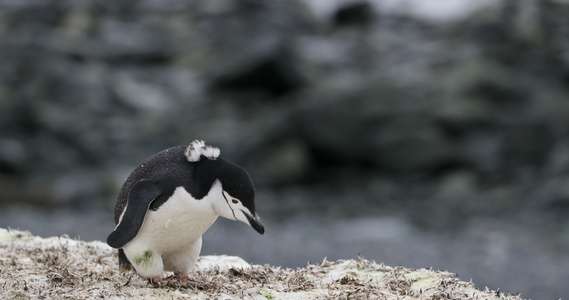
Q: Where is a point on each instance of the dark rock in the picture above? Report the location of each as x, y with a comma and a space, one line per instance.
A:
275, 73
356, 13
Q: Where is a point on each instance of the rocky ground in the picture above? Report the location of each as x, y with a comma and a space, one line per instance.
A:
62, 268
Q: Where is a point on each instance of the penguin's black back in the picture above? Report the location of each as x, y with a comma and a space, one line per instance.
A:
169, 169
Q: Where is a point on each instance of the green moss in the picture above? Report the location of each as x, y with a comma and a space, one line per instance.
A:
145, 259
267, 294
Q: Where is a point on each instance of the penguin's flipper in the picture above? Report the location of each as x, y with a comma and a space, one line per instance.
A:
140, 197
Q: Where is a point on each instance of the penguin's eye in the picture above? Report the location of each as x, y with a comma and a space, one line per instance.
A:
235, 201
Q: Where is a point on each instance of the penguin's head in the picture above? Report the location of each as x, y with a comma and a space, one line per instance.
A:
236, 198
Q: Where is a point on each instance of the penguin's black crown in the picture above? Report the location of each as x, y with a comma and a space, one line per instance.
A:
233, 178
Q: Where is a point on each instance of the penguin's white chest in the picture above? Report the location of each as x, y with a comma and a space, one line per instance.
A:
176, 225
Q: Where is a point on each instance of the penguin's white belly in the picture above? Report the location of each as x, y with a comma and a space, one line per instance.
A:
175, 229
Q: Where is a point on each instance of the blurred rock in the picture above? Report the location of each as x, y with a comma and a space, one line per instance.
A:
12, 156
25, 191
356, 13
269, 67
414, 109
284, 162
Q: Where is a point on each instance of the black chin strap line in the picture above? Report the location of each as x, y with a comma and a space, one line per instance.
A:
227, 201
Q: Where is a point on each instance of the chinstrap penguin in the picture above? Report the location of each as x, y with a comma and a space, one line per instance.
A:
170, 200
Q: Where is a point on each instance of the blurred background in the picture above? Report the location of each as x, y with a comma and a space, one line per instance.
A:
419, 133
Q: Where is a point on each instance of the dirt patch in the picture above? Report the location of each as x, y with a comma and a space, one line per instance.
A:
63, 268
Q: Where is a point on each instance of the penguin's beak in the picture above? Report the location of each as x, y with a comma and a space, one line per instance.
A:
255, 222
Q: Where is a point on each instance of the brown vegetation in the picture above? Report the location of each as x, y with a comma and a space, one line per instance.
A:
63, 268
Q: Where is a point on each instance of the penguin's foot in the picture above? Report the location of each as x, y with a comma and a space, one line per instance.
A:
155, 281
186, 282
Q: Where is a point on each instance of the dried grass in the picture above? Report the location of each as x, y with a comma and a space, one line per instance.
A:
63, 268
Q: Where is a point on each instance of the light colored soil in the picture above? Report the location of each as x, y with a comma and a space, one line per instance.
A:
63, 268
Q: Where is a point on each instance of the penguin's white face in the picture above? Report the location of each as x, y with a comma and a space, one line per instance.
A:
232, 208
236, 210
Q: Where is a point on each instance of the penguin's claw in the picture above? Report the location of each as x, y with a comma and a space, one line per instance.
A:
155, 281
